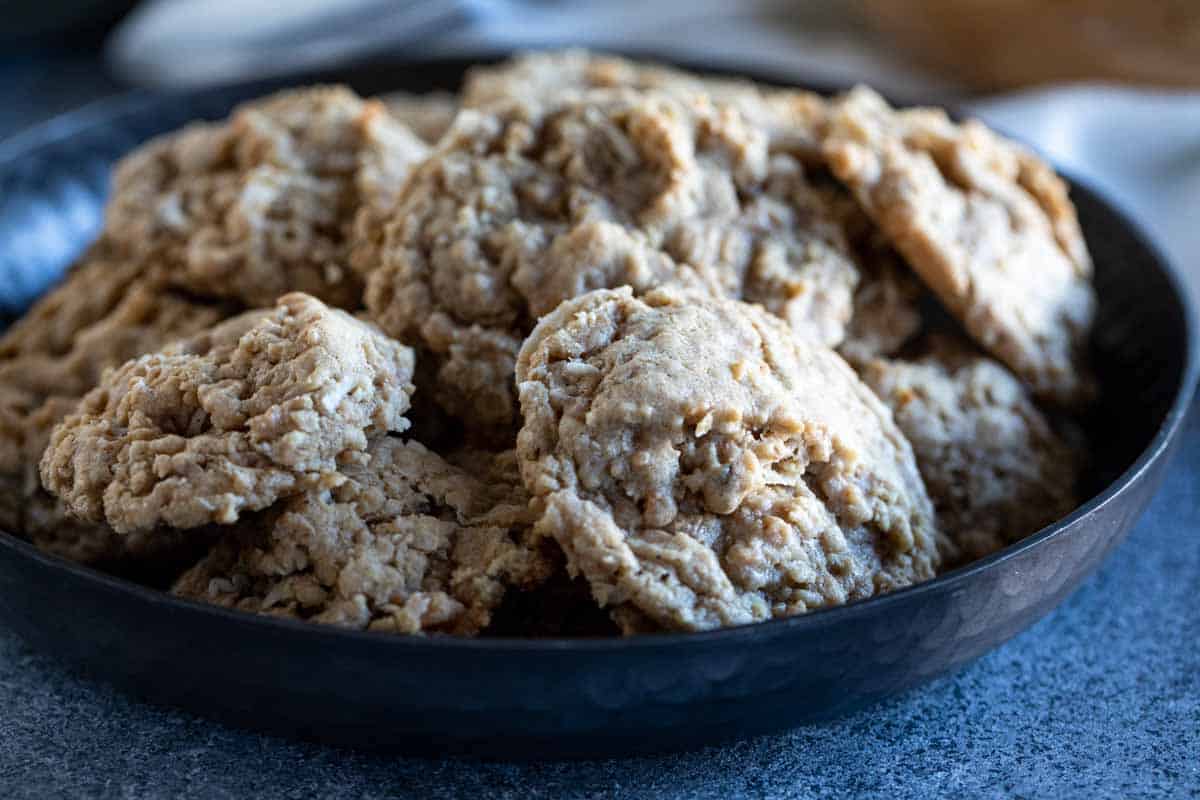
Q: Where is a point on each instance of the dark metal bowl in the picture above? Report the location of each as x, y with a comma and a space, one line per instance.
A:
551, 698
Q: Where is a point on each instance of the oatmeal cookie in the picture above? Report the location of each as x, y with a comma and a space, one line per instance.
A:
697, 461
98, 318
407, 543
28, 510
427, 115
90, 290
526, 205
539, 76
263, 406
793, 120
266, 202
994, 467
143, 320
985, 224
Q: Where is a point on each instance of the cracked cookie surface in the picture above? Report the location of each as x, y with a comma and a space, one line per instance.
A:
266, 202
699, 463
526, 205
986, 225
262, 406
100, 316
407, 543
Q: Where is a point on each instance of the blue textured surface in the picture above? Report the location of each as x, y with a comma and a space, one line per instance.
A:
1100, 699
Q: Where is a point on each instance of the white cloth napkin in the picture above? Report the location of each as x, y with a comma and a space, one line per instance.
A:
1141, 148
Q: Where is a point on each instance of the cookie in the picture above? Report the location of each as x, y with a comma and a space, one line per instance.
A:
994, 467
793, 120
407, 543
700, 463
100, 316
542, 75
260, 407
985, 224
144, 320
263, 203
40, 388
28, 510
526, 205
92, 287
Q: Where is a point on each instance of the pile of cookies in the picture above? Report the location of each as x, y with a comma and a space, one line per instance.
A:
593, 347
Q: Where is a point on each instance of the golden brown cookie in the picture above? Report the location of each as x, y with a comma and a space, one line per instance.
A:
265, 202
525, 205
263, 406
407, 543
89, 291
100, 316
985, 224
699, 462
792, 119
994, 467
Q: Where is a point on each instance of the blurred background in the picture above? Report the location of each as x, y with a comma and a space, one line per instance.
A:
1110, 89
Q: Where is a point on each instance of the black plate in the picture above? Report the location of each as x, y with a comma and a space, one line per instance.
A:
550, 698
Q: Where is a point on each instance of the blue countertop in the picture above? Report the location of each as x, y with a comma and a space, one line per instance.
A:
1100, 699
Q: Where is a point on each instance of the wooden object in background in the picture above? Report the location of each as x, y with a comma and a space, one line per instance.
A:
1001, 44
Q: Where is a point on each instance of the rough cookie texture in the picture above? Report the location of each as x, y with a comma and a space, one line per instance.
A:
987, 226
793, 120
427, 115
887, 303
263, 406
995, 469
544, 75
144, 320
526, 205
264, 203
89, 291
407, 543
700, 463
100, 316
